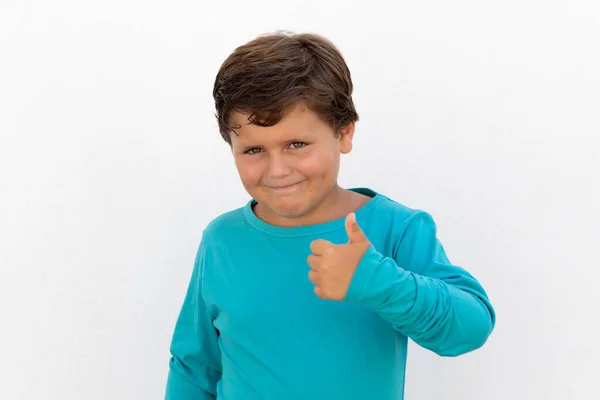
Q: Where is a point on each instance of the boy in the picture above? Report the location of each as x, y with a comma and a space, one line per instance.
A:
310, 291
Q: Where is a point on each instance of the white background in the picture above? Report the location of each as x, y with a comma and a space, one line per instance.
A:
485, 114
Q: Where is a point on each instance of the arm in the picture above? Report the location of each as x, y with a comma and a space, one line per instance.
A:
195, 363
438, 305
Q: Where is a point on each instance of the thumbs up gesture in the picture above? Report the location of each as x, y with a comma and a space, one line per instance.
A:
333, 265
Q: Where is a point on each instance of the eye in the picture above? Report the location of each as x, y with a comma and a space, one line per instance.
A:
254, 150
297, 145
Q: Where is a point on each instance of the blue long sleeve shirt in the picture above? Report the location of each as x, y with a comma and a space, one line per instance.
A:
251, 326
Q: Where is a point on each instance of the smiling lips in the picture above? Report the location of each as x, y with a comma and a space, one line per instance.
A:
285, 188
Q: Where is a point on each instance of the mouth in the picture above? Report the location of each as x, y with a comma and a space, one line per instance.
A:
285, 188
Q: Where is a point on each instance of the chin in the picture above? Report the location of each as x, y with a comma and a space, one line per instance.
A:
287, 205
291, 215
288, 209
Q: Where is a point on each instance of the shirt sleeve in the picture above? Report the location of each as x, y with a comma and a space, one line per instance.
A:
438, 305
195, 363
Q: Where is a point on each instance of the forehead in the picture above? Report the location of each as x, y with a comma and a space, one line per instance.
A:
299, 121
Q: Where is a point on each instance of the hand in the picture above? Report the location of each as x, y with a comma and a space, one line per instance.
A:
333, 265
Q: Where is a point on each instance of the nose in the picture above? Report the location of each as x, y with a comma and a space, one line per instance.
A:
278, 166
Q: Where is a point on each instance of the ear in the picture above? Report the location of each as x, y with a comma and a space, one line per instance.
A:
346, 135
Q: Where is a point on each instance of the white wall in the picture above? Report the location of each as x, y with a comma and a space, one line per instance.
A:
485, 114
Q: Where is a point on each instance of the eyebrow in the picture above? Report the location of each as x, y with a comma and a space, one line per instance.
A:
302, 138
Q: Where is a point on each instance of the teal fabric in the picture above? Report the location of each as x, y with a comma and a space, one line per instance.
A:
251, 326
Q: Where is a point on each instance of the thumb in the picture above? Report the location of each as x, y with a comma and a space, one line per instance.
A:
355, 234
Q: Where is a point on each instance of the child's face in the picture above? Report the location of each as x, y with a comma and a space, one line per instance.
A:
289, 168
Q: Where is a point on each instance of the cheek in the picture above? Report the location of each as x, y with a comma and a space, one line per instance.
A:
249, 172
320, 164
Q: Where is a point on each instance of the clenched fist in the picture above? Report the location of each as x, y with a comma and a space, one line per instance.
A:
333, 265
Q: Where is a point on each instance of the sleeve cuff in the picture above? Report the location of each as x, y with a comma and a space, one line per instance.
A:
363, 275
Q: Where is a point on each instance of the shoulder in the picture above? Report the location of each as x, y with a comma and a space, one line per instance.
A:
220, 230
396, 224
225, 224
401, 215
400, 231
216, 237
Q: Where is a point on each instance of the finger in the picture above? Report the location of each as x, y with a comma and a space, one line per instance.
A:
313, 276
355, 234
313, 261
321, 247
320, 292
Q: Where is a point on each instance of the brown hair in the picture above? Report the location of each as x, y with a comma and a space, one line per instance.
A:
273, 72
